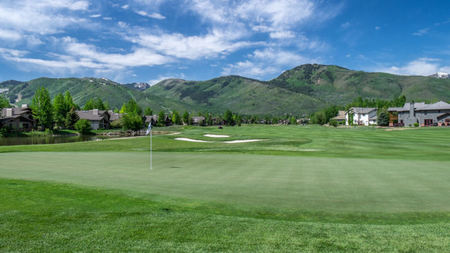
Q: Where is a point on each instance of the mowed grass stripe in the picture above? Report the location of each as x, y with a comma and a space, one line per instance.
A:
45, 217
250, 181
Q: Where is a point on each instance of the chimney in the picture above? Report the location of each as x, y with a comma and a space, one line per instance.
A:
95, 111
9, 112
411, 109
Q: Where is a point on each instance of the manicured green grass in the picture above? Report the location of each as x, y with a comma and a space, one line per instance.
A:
52, 217
301, 189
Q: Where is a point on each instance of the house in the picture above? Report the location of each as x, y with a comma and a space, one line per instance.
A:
198, 120
361, 116
19, 119
99, 119
437, 114
152, 118
114, 116
340, 118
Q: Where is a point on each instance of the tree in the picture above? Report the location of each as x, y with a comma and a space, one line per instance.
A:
293, 121
383, 117
83, 126
161, 118
148, 111
186, 118
71, 118
42, 108
89, 105
176, 118
4, 102
132, 121
59, 109
68, 102
131, 107
209, 119
98, 104
228, 118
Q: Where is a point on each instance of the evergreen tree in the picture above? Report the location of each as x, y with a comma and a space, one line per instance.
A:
42, 108
89, 105
59, 109
148, 111
71, 118
228, 118
68, 102
98, 104
383, 117
208, 119
161, 118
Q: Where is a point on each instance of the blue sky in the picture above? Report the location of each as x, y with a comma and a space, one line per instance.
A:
150, 40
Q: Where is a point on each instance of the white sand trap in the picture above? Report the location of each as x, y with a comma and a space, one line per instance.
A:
216, 136
191, 140
240, 141
309, 150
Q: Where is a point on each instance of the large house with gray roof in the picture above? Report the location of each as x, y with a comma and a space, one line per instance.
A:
361, 116
437, 114
19, 119
99, 119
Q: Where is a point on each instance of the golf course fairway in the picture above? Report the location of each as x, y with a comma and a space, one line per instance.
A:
298, 189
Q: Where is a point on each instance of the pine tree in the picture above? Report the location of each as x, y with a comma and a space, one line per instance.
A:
89, 105
71, 118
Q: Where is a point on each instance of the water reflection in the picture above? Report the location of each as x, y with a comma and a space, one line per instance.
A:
45, 140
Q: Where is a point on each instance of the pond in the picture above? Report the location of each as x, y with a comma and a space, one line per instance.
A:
46, 139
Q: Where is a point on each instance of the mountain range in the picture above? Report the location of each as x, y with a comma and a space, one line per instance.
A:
299, 91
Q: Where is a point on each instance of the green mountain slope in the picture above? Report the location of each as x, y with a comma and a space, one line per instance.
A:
301, 90
236, 93
338, 85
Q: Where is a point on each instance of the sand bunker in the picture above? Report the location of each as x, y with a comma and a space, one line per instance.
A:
240, 141
216, 136
191, 140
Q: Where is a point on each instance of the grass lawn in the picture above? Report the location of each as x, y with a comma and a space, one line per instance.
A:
301, 188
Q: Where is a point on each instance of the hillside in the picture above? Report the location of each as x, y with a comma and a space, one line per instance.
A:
301, 90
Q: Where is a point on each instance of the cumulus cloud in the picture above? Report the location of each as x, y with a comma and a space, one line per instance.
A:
191, 47
421, 67
39, 17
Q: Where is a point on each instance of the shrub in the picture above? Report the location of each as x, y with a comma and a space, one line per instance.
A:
83, 126
132, 121
416, 124
333, 123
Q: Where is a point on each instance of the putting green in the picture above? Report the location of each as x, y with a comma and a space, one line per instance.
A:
249, 181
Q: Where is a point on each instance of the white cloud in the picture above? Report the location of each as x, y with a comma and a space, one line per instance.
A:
191, 47
421, 32
151, 15
40, 17
377, 28
125, 6
346, 25
95, 15
282, 35
421, 67
9, 35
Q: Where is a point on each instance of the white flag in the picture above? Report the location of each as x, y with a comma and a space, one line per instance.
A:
149, 128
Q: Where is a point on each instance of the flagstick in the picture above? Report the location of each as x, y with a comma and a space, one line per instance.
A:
151, 165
